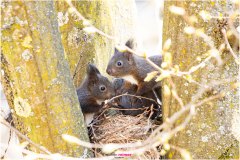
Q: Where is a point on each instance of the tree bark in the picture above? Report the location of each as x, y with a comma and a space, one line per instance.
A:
116, 18
208, 135
36, 77
38, 67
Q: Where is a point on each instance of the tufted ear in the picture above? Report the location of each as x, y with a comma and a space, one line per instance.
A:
130, 43
115, 51
92, 73
91, 69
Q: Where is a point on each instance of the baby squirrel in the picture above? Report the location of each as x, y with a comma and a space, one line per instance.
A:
94, 90
133, 68
133, 105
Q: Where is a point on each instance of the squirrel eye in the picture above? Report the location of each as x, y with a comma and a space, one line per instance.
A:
119, 63
102, 88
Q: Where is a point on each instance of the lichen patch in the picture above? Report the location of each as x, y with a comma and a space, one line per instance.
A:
26, 55
62, 18
27, 42
22, 107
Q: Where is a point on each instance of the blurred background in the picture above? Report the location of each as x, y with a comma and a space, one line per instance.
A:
149, 25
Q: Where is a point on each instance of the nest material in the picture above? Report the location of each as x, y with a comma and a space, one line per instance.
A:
117, 128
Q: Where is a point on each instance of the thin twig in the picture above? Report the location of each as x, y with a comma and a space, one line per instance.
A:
175, 94
229, 47
35, 155
3, 121
76, 68
130, 95
231, 24
73, 8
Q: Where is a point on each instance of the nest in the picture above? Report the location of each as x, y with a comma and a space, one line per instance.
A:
113, 127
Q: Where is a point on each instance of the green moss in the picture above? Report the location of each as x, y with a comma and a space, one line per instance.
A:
42, 80
211, 119
231, 152
78, 44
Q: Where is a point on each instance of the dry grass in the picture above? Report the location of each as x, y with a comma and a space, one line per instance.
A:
121, 129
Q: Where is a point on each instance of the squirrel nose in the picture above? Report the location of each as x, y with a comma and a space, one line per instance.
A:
109, 71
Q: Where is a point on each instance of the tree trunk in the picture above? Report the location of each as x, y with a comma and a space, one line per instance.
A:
37, 79
208, 135
116, 18
36, 76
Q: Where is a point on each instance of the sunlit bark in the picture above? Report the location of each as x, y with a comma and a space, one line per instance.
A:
36, 76
208, 135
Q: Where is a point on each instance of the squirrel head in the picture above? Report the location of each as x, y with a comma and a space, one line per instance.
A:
121, 62
98, 85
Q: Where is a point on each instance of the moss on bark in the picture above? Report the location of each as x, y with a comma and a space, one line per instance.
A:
208, 135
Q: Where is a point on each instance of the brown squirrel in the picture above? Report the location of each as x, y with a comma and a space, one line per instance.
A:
132, 105
92, 93
133, 68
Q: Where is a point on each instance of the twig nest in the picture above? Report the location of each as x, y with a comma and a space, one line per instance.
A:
113, 128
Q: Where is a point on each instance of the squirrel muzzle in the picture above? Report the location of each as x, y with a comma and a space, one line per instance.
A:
111, 71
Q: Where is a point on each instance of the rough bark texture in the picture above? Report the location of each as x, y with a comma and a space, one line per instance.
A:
209, 133
36, 76
37, 67
115, 18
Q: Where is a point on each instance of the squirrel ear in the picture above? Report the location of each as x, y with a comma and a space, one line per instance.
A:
115, 51
92, 70
130, 43
92, 73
